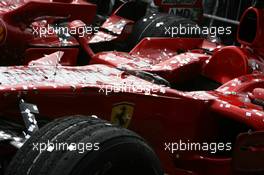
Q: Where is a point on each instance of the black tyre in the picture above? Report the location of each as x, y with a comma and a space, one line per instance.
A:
118, 152
155, 25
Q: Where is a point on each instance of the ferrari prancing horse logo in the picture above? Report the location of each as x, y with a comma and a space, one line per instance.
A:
122, 114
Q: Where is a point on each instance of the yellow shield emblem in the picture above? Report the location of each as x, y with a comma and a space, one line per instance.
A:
122, 114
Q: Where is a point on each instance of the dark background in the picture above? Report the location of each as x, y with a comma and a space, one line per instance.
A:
229, 9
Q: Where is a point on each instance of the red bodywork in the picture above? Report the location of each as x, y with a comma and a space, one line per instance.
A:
18, 18
160, 114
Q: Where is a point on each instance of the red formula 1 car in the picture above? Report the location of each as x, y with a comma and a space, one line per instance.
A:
30, 29
19, 18
198, 105
182, 60
191, 132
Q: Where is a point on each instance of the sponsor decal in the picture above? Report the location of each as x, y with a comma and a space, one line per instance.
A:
190, 13
179, 2
122, 114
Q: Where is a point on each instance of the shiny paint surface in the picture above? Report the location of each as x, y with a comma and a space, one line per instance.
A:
114, 28
175, 59
161, 114
18, 19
